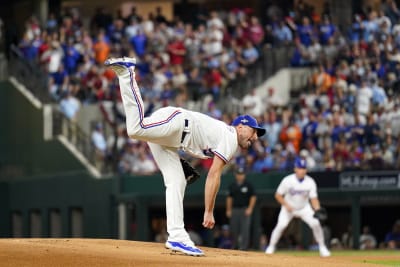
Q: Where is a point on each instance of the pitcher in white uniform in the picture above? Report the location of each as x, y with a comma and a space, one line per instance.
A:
170, 129
294, 193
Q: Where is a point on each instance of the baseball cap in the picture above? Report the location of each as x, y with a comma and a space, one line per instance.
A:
249, 121
300, 162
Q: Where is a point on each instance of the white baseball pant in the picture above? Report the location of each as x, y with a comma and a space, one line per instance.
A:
306, 214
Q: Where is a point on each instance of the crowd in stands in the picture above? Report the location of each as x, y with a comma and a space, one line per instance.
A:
346, 118
176, 60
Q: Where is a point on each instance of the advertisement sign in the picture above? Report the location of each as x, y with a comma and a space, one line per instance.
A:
369, 180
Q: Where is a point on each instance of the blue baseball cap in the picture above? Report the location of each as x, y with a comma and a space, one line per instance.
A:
300, 162
249, 121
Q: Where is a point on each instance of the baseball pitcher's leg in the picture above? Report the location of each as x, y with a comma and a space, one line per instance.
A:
169, 163
161, 127
131, 97
175, 183
283, 220
317, 231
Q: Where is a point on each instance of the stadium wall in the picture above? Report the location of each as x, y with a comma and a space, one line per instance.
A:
23, 151
348, 197
66, 194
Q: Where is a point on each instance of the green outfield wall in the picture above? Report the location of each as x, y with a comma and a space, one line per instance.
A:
64, 193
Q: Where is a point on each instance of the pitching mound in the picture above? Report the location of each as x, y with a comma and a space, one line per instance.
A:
104, 252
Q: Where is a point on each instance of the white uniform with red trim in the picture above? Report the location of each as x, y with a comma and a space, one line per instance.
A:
206, 137
297, 193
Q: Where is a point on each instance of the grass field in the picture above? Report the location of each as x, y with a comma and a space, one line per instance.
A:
379, 257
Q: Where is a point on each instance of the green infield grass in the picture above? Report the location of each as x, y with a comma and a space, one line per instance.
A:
379, 257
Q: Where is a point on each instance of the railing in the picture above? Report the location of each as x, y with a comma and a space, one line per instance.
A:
76, 136
35, 80
270, 61
29, 74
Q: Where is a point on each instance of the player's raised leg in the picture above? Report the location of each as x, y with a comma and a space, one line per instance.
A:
130, 92
168, 162
140, 127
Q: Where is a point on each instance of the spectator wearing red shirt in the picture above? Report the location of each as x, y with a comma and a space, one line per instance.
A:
256, 32
214, 82
341, 154
176, 50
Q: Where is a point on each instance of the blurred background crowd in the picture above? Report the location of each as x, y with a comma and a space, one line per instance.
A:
346, 118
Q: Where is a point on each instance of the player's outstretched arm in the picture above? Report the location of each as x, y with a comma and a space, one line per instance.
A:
210, 191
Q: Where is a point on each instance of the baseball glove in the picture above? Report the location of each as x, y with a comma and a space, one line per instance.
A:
191, 174
321, 214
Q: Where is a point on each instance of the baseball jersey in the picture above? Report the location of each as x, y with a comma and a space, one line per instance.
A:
297, 193
210, 137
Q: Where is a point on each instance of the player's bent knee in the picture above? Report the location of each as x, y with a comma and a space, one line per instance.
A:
134, 132
178, 183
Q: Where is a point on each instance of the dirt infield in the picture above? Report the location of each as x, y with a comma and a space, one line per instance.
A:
105, 252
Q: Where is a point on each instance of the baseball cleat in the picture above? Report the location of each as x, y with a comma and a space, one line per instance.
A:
186, 249
119, 65
324, 252
270, 250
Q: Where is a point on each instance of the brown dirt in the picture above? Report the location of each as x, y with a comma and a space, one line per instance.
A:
105, 252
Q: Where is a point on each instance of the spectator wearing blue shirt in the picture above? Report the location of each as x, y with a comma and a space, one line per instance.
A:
139, 43
282, 33
249, 53
380, 69
58, 82
305, 32
379, 97
71, 57
309, 130
98, 139
337, 131
273, 128
264, 162
299, 57
371, 132
370, 27
392, 238
69, 106
356, 29
27, 49
225, 241
357, 130
327, 30
116, 31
